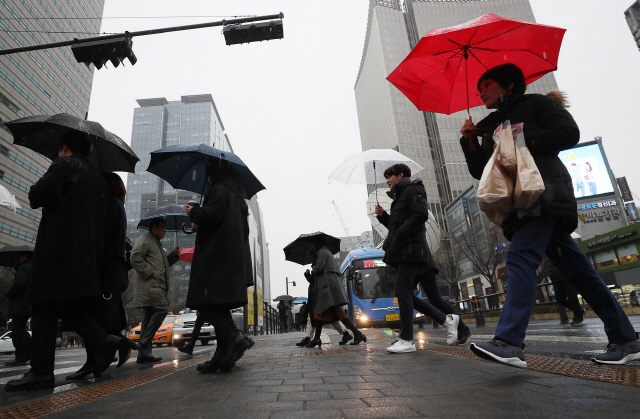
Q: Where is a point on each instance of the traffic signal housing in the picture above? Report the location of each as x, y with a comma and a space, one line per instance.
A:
253, 32
101, 51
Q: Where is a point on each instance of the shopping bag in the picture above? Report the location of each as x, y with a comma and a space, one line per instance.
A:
495, 190
529, 184
504, 139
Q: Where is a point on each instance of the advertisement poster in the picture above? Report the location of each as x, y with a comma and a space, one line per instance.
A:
588, 171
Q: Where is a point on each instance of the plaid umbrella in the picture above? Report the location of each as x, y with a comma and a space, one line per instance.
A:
299, 250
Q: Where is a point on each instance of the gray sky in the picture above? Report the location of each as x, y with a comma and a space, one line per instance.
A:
289, 107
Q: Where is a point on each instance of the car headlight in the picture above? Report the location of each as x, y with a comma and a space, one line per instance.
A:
164, 329
178, 325
176, 336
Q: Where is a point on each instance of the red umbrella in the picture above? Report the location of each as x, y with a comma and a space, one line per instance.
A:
186, 255
435, 75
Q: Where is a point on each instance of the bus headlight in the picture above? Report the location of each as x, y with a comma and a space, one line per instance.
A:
359, 314
419, 315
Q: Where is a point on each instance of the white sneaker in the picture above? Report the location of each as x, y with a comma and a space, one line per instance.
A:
451, 326
402, 346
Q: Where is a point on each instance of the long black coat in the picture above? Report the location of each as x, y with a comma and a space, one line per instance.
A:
219, 271
548, 129
17, 294
67, 259
407, 239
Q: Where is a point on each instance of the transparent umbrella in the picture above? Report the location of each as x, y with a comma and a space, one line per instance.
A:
434, 232
7, 199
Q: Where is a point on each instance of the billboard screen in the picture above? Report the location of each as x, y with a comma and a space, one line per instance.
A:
588, 171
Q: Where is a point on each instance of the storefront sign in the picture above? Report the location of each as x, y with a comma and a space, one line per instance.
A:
596, 205
632, 212
610, 239
600, 216
625, 192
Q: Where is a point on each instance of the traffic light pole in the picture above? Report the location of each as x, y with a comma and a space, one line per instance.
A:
140, 33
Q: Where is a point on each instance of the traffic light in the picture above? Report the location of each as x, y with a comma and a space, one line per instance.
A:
101, 51
252, 32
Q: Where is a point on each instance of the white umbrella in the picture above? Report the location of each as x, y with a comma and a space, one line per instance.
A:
368, 166
7, 199
433, 229
296, 308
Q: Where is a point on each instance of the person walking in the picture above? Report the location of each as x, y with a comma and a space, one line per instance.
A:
109, 310
329, 294
221, 269
20, 311
282, 310
545, 228
151, 284
565, 293
407, 251
67, 261
195, 334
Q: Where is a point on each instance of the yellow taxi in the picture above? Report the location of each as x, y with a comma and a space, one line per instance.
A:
163, 335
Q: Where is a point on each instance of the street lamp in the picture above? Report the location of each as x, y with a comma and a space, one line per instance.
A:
290, 282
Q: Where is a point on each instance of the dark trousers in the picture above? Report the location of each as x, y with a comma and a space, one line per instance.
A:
221, 320
406, 281
21, 337
283, 324
567, 296
530, 243
44, 326
429, 286
153, 317
196, 330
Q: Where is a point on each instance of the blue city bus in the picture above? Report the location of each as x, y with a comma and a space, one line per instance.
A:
369, 283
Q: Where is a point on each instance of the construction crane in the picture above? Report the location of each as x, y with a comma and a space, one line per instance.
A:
344, 226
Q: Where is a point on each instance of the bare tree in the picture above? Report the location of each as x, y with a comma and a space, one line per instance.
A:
449, 265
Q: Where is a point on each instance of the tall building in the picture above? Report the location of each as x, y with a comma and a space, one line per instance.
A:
632, 16
192, 120
388, 119
38, 82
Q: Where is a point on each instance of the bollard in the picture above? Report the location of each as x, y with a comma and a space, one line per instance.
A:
478, 313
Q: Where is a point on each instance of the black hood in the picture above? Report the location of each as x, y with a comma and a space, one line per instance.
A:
402, 185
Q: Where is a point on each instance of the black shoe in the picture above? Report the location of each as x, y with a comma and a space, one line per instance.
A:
498, 350
346, 337
213, 364
464, 336
235, 351
186, 349
578, 319
106, 351
303, 342
358, 339
314, 343
16, 363
565, 322
143, 359
249, 340
619, 353
86, 369
31, 381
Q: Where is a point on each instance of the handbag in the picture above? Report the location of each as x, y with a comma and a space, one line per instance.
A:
503, 136
529, 184
495, 190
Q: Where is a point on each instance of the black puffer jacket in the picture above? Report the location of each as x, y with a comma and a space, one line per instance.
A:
407, 240
548, 129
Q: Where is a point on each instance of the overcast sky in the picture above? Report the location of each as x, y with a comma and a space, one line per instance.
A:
288, 106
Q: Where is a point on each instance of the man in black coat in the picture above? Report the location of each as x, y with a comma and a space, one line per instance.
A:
282, 309
20, 311
406, 250
67, 261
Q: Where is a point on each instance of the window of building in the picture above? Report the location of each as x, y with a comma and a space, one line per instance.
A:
605, 258
627, 253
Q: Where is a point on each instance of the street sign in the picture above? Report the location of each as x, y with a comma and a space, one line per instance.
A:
452, 297
625, 192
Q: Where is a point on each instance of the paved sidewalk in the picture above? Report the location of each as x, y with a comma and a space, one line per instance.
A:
276, 379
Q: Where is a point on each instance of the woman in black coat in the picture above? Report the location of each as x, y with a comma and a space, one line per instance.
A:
545, 228
221, 267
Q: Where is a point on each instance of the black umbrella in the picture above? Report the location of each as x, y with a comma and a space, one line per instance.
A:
175, 216
42, 133
9, 255
299, 250
283, 298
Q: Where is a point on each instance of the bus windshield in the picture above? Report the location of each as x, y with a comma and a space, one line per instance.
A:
374, 279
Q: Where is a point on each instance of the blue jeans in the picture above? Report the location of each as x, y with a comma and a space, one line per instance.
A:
593, 188
530, 243
580, 187
406, 281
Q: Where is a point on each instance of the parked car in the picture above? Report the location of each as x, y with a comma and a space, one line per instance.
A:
183, 327
238, 317
162, 336
6, 344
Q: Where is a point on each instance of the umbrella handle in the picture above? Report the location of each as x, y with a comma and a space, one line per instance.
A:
466, 76
375, 180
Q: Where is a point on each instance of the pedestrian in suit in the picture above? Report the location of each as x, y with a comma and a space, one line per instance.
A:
20, 311
67, 261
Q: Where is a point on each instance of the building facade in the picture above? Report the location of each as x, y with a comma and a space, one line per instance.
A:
192, 120
632, 16
45, 82
388, 119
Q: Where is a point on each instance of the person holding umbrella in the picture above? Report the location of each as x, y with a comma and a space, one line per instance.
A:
20, 310
221, 267
545, 228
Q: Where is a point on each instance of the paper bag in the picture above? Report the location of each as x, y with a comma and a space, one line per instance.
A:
503, 137
529, 184
495, 190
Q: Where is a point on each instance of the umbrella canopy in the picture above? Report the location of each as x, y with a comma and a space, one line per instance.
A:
299, 250
42, 133
9, 255
434, 232
185, 167
175, 216
296, 309
283, 298
300, 300
186, 255
368, 166
441, 72
7, 199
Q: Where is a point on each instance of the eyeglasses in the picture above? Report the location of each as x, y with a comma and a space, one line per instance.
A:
482, 89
